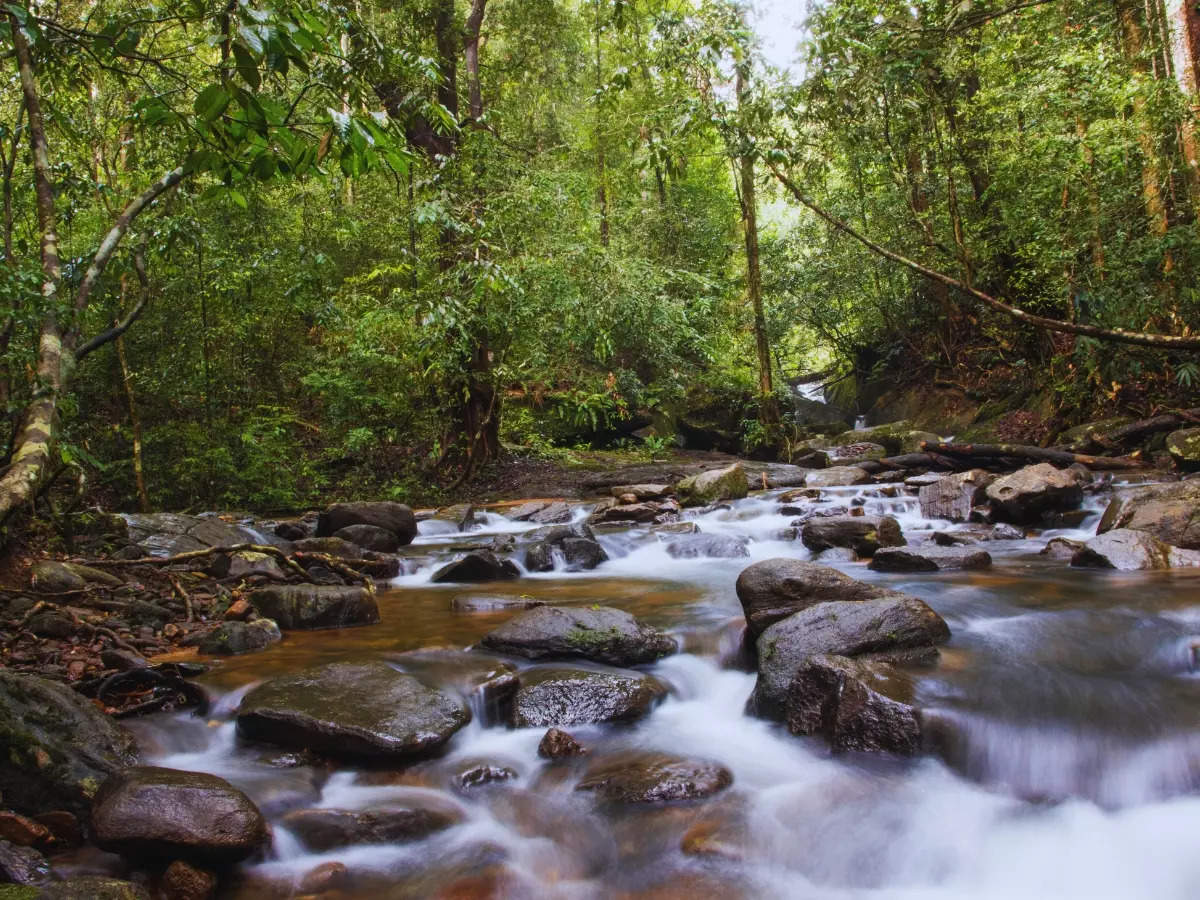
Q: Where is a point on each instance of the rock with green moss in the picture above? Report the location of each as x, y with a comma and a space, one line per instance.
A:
596, 633
1184, 447
1082, 437
233, 638
52, 576
56, 746
714, 485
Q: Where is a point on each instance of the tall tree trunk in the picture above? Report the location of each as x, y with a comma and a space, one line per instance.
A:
1183, 25
601, 174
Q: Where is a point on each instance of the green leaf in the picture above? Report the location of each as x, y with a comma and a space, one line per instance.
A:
211, 102
239, 198
247, 66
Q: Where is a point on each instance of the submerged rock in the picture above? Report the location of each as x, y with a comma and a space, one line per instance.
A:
1129, 550
654, 778
563, 697
862, 534
599, 633
714, 485
557, 744
320, 830
57, 747
385, 514
356, 710
842, 628
477, 567
1027, 494
929, 559
854, 705
717, 546
954, 496
774, 589
152, 813
306, 606
837, 476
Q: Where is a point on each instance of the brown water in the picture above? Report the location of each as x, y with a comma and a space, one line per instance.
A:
1066, 703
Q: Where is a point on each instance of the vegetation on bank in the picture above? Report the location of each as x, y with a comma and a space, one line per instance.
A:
309, 250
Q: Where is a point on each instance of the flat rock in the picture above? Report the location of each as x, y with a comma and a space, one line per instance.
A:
837, 476
356, 710
716, 546
643, 491
650, 511
842, 628
166, 534
542, 512
486, 603
386, 514
57, 746
929, 559
714, 485
148, 813
600, 634
654, 778
556, 696
477, 567
321, 830
1027, 494
1129, 550
307, 606
854, 705
862, 534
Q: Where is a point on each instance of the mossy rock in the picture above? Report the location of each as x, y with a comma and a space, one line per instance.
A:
1080, 437
1184, 447
714, 485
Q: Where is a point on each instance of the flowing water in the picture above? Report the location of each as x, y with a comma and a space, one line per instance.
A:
1066, 703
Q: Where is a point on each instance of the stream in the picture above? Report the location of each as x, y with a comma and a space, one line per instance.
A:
1066, 700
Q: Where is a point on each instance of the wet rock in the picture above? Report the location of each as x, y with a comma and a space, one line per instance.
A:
774, 589
1170, 512
564, 697
836, 554
651, 511
482, 603
1003, 532
542, 512
1025, 495
386, 514
929, 559
837, 476
576, 543
330, 546
796, 496
643, 492
862, 534
854, 705
370, 537
1061, 548
851, 453
842, 628
479, 775
56, 745
308, 606
166, 534
148, 812
712, 486
654, 778
92, 887
323, 709
715, 838
22, 865
489, 683
476, 567
600, 634
329, 829
462, 515
1184, 447
328, 876
183, 881
233, 638
1129, 550
292, 531
558, 744
21, 830
954, 496
63, 826
716, 546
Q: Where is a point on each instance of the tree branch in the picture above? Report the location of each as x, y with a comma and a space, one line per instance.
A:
105, 337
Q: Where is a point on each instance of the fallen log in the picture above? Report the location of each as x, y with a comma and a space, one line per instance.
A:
1035, 454
1135, 431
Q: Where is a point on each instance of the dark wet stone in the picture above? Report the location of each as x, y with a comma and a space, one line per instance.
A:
542, 512
843, 628
307, 606
1025, 495
654, 778
329, 829
929, 559
489, 683
153, 813
93, 887
394, 517
862, 534
564, 697
558, 744
479, 775
347, 709
22, 865
601, 634
22, 830
56, 746
371, 537
233, 638
292, 531
476, 567
183, 881
330, 546
576, 543
711, 545
854, 705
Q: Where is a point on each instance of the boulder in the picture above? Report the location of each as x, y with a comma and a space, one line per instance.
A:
476, 567
854, 705
717, 546
1129, 550
150, 813
862, 534
486, 682
308, 606
954, 496
600, 634
929, 559
557, 744
1170, 512
837, 476
1184, 447
246, 564
53, 577
166, 534
774, 589
576, 543
23, 866
386, 514
642, 492
57, 746
892, 435
352, 709
233, 638
541, 512
656, 511
331, 546
556, 696
370, 537
843, 628
321, 830
654, 778
1025, 495
714, 485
